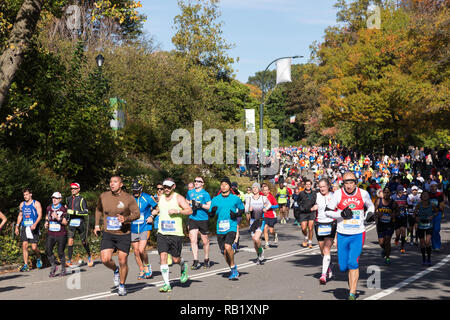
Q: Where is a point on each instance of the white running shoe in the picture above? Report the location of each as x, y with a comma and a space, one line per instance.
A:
116, 277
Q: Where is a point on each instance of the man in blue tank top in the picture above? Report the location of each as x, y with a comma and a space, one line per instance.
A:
30, 214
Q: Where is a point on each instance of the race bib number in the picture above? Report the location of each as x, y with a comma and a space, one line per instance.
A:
140, 220
28, 222
168, 226
54, 226
324, 230
75, 222
113, 224
386, 218
424, 224
224, 226
353, 223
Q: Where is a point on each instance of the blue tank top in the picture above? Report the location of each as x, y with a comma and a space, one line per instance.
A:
29, 214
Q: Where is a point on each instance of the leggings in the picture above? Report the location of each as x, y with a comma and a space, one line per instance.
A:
51, 241
349, 249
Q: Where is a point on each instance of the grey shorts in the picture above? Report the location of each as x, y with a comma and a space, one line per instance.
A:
144, 235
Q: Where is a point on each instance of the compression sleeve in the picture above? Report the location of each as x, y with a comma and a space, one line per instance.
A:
332, 205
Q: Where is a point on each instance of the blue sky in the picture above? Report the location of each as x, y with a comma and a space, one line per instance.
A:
262, 30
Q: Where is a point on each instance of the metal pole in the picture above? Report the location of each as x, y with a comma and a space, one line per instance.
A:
261, 115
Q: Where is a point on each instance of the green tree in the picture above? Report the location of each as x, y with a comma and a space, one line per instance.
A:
199, 36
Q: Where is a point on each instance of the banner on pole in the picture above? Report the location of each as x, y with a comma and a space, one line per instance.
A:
118, 121
284, 70
250, 120
292, 119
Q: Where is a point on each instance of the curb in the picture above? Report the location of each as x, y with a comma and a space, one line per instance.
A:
10, 267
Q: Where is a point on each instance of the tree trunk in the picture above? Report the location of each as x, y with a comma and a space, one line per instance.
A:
18, 42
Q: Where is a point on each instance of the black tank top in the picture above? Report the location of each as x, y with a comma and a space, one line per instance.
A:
385, 212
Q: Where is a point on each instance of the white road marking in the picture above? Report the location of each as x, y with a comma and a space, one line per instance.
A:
408, 281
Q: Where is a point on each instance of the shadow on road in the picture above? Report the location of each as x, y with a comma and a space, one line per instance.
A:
10, 288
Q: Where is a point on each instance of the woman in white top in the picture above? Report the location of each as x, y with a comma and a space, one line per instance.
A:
255, 207
325, 229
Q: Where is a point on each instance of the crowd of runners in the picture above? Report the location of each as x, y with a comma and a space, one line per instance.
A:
333, 193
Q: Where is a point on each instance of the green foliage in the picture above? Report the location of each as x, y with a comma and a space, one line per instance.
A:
199, 36
10, 250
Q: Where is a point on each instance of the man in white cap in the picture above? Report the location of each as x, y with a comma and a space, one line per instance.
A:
171, 207
412, 200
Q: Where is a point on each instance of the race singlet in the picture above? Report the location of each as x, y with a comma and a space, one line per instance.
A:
169, 224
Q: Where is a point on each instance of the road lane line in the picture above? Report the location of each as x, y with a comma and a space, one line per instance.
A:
408, 281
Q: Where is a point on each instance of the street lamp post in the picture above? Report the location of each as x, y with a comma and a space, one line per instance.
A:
261, 113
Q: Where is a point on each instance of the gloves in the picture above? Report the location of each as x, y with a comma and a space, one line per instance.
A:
347, 213
370, 216
196, 205
213, 212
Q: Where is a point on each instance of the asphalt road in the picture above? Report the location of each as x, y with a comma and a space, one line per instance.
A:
290, 272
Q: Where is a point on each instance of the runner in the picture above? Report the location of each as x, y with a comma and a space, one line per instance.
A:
386, 212
255, 207
295, 206
227, 207
118, 210
401, 221
4, 220
141, 228
325, 229
281, 196
241, 195
308, 208
270, 218
56, 220
30, 214
437, 198
171, 208
413, 200
424, 213
78, 222
350, 203
200, 201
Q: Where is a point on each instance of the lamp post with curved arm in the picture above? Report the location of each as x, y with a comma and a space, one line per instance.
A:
261, 113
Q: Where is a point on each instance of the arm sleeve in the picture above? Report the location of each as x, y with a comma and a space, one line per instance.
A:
332, 205
84, 209
367, 202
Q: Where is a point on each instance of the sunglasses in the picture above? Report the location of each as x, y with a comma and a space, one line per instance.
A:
199, 181
74, 188
159, 188
167, 187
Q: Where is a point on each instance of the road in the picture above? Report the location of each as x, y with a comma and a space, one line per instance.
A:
290, 272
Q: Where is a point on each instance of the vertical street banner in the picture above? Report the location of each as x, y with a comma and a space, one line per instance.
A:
292, 119
118, 108
284, 70
250, 120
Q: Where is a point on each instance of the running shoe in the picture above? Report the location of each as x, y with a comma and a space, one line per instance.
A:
90, 261
402, 251
141, 275
165, 288
276, 238
310, 244
148, 273
351, 296
267, 246
53, 272
68, 264
184, 276
387, 261
38, 263
206, 264
304, 244
234, 274
323, 279
424, 263
116, 277
25, 268
196, 265
122, 291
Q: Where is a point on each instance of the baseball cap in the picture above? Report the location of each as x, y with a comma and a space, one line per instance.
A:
415, 188
400, 189
168, 183
56, 195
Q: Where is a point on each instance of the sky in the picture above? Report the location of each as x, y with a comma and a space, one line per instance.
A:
261, 30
